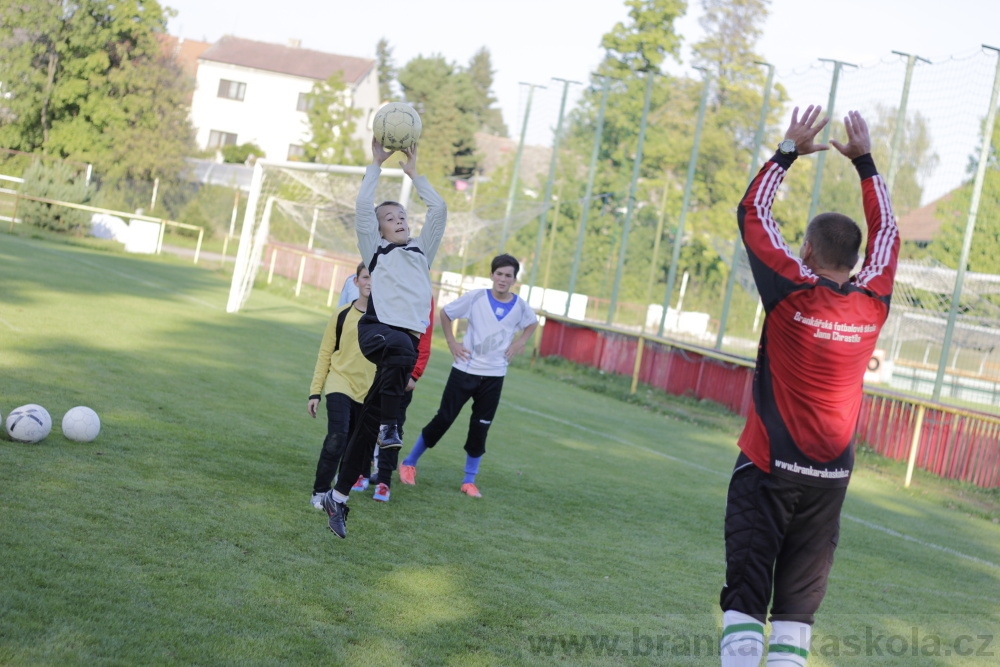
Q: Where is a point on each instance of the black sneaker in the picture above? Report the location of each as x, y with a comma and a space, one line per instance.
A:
389, 437
338, 515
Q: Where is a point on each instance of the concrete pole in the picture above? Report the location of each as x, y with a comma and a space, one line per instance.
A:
517, 166
821, 157
897, 135
547, 197
689, 184
581, 231
630, 206
758, 140
970, 227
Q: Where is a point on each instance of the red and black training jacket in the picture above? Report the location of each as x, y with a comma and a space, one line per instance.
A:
818, 336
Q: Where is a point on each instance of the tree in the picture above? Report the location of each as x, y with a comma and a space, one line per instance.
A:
489, 117
635, 50
331, 122
88, 80
240, 153
444, 96
386, 70
644, 43
732, 28
916, 160
984, 255
60, 182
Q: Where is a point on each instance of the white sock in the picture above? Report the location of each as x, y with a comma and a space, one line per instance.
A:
789, 643
339, 497
742, 640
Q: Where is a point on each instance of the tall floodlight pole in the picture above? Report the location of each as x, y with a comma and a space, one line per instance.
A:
970, 226
656, 245
630, 206
582, 229
897, 135
547, 198
517, 166
692, 163
758, 139
821, 158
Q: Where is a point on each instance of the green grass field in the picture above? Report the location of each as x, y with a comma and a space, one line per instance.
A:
183, 534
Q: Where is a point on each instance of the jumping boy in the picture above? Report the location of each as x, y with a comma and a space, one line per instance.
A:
385, 462
343, 375
398, 313
499, 325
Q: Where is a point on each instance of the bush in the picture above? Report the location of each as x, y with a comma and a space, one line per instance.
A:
212, 208
60, 182
241, 153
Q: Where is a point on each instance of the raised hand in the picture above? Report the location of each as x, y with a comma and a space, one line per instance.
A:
803, 132
410, 166
379, 153
858, 140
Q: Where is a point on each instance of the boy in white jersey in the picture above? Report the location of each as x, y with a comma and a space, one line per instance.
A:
398, 314
499, 327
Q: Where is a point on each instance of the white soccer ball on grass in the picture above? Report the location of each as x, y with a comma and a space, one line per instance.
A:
81, 424
396, 126
28, 423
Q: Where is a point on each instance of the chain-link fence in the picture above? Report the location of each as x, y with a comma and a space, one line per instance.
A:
927, 120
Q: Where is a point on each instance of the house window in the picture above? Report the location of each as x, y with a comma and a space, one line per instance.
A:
296, 152
233, 90
304, 103
217, 138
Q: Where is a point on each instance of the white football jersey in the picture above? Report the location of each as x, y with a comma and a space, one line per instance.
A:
486, 337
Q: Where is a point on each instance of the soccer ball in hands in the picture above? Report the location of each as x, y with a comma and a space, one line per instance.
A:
396, 126
81, 424
28, 423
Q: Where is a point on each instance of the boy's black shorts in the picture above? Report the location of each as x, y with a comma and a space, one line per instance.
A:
780, 534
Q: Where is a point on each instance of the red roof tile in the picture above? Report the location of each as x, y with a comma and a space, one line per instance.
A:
286, 59
922, 224
185, 51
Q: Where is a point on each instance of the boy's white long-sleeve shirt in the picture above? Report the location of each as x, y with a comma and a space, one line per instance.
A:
401, 282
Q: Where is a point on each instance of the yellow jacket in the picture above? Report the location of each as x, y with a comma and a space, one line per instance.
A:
344, 371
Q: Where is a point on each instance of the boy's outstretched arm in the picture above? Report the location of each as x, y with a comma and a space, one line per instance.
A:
365, 222
437, 212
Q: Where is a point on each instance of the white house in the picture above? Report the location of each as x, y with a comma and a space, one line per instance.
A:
255, 92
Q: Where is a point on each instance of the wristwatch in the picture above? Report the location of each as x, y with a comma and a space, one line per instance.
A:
787, 147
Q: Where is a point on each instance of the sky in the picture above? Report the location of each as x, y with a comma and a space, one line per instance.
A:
532, 41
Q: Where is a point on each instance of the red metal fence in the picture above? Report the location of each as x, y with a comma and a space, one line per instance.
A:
949, 442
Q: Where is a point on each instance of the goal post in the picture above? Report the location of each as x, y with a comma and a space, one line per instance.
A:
303, 196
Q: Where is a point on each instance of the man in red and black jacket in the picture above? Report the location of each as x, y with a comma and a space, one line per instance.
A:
786, 492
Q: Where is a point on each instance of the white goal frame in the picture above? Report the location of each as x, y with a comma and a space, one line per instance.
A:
254, 234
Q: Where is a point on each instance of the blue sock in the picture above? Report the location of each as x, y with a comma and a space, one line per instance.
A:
471, 468
418, 449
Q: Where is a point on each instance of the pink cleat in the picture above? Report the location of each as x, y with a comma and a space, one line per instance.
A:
408, 474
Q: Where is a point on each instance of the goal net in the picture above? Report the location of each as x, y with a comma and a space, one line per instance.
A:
305, 214
920, 304
306, 205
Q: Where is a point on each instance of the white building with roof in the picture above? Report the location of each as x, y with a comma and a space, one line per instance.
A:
255, 92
